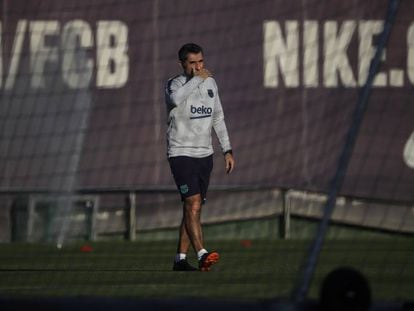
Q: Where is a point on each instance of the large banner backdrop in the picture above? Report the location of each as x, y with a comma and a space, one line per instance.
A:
82, 92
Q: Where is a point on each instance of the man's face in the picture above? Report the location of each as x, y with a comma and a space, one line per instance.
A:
193, 63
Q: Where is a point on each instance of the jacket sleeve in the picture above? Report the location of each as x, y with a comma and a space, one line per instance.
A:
177, 93
219, 124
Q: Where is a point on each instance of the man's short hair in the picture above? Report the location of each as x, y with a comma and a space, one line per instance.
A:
188, 48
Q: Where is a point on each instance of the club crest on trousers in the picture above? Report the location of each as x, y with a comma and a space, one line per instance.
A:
184, 189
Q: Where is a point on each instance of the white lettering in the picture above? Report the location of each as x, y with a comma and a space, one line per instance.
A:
335, 57
408, 153
396, 77
280, 53
41, 53
311, 54
67, 53
112, 57
410, 54
16, 54
77, 68
367, 31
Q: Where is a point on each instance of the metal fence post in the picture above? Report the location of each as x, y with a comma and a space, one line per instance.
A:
285, 217
30, 219
92, 206
132, 223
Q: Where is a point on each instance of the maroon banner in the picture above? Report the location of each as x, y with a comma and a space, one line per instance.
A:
83, 92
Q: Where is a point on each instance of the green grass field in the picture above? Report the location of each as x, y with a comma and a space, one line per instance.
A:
264, 269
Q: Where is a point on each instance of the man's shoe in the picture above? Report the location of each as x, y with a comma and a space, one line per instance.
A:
183, 265
207, 260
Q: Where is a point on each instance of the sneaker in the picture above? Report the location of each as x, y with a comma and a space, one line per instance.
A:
183, 265
207, 260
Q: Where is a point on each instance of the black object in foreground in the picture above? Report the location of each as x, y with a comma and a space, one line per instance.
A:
345, 289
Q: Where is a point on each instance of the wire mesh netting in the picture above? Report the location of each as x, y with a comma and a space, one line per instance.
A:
83, 148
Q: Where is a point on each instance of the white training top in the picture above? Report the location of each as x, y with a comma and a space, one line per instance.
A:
194, 108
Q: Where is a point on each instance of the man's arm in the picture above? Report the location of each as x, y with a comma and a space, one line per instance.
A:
178, 92
221, 131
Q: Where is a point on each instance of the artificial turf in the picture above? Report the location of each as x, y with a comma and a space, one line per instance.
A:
247, 270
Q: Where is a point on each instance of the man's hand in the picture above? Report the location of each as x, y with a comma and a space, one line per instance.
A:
203, 73
229, 160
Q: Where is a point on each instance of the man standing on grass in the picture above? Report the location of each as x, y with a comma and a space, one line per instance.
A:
194, 108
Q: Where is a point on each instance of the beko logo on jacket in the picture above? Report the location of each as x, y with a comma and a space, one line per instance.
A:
200, 112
